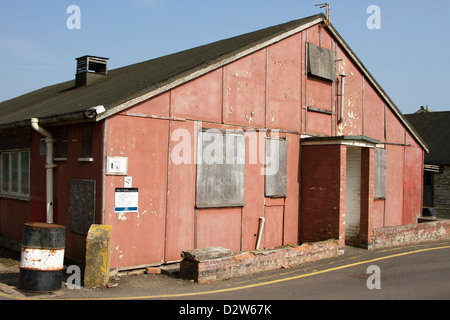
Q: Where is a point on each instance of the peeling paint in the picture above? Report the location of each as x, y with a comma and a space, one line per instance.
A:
351, 115
341, 127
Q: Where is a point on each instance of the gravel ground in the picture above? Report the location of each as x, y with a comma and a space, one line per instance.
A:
9, 258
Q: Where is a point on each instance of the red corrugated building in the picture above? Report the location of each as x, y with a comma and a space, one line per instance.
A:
172, 152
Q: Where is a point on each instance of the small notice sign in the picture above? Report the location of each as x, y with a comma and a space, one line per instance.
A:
126, 200
117, 166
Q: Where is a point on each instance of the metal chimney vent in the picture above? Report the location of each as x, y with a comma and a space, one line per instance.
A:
90, 70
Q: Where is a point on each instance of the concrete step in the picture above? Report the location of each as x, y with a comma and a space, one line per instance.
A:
171, 270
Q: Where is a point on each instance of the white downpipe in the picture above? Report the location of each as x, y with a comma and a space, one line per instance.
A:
261, 227
49, 166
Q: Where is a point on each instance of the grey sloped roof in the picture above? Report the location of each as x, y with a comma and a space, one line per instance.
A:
126, 83
434, 128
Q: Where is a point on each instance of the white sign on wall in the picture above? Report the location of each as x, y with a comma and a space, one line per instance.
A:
117, 166
126, 200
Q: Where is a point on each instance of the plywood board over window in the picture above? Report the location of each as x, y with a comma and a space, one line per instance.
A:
275, 170
220, 168
379, 179
321, 62
81, 205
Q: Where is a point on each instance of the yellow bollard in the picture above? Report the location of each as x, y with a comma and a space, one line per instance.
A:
98, 243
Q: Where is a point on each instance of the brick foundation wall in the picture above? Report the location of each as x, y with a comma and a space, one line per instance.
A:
410, 234
210, 268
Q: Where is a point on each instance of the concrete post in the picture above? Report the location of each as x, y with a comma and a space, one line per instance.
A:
98, 245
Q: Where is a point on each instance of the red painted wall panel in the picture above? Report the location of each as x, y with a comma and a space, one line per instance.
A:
14, 213
313, 35
291, 229
199, 99
318, 123
352, 124
157, 106
219, 227
181, 190
244, 90
412, 189
395, 132
254, 188
373, 114
273, 231
319, 94
326, 39
378, 213
284, 84
138, 237
394, 185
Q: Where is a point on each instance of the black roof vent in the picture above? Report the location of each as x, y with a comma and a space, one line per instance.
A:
90, 70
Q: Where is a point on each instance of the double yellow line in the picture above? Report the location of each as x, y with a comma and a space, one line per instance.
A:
249, 286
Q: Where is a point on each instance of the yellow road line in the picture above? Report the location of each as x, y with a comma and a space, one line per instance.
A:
249, 286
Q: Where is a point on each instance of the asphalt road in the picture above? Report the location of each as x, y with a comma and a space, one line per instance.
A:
418, 272
423, 275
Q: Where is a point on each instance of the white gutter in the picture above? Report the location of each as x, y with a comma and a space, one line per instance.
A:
49, 166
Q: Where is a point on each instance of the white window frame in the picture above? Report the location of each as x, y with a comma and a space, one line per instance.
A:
6, 191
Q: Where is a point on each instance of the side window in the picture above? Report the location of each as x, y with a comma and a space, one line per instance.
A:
15, 173
220, 168
5, 172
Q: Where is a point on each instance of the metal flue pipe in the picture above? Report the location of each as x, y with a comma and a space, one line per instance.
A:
341, 112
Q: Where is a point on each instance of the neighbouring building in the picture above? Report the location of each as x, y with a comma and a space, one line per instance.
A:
434, 128
172, 152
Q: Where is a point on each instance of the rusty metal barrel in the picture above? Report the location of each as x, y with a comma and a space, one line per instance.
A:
42, 257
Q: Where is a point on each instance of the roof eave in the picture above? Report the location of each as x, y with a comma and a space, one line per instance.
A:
73, 117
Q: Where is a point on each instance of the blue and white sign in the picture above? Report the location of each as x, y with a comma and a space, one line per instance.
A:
126, 200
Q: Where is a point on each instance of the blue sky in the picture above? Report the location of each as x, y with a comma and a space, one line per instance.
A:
408, 56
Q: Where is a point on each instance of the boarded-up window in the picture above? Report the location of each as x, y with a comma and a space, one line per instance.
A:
321, 62
61, 143
86, 144
275, 170
81, 205
220, 168
379, 179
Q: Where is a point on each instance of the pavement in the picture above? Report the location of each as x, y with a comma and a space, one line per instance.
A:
138, 285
